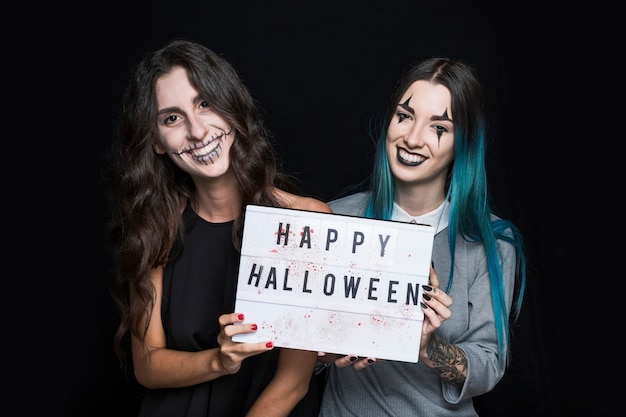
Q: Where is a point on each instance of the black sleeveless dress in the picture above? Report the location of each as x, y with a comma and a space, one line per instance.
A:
199, 284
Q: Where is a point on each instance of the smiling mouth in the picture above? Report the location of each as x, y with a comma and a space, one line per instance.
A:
410, 159
206, 151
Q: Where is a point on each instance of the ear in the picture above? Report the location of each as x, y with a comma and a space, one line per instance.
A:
158, 148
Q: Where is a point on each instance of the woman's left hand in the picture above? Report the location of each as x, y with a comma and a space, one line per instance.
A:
341, 361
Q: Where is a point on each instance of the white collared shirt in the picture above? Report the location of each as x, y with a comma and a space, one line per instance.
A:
438, 218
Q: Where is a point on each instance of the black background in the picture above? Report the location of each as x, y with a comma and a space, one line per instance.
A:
322, 71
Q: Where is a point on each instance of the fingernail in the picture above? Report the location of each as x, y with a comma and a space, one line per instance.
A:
240, 317
353, 358
427, 287
269, 345
423, 305
426, 297
253, 326
370, 361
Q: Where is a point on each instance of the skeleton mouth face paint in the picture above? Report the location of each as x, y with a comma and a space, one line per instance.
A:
208, 150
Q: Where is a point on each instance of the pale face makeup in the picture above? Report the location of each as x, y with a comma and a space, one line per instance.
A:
420, 137
195, 137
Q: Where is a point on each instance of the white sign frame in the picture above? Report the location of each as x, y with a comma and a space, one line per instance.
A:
289, 261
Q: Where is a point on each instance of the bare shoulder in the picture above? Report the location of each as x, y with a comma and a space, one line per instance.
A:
312, 204
299, 202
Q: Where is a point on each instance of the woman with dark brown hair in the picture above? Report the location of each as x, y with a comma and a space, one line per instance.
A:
192, 153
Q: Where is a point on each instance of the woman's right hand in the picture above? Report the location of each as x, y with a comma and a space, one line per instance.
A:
231, 354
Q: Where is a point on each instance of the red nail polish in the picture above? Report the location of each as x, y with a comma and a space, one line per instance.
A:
253, 326
240, 317
269, 345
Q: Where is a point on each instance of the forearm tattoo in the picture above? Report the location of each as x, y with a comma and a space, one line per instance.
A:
449, 361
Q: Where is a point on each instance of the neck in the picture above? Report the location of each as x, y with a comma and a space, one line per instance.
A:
218, 199
417, 201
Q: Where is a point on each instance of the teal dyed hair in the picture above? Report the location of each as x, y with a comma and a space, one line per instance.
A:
466, 187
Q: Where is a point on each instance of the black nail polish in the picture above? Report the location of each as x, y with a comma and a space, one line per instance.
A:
423, 305
427, 287
353, 358
370, 361
426, 297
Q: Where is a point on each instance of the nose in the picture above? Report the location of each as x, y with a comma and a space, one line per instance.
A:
415, 137
197, 127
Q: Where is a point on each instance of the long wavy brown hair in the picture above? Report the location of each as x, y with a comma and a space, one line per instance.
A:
148, 191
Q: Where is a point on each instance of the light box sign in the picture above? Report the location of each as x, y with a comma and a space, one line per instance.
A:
333, 283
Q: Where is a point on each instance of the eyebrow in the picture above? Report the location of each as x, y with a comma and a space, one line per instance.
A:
168, 110
406, 106
177, 109
443, 117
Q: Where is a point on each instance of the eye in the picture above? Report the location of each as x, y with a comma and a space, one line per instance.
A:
172, 118
204, 104
441, 129
402, 116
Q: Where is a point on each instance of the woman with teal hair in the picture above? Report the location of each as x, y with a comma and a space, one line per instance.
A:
429, 168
